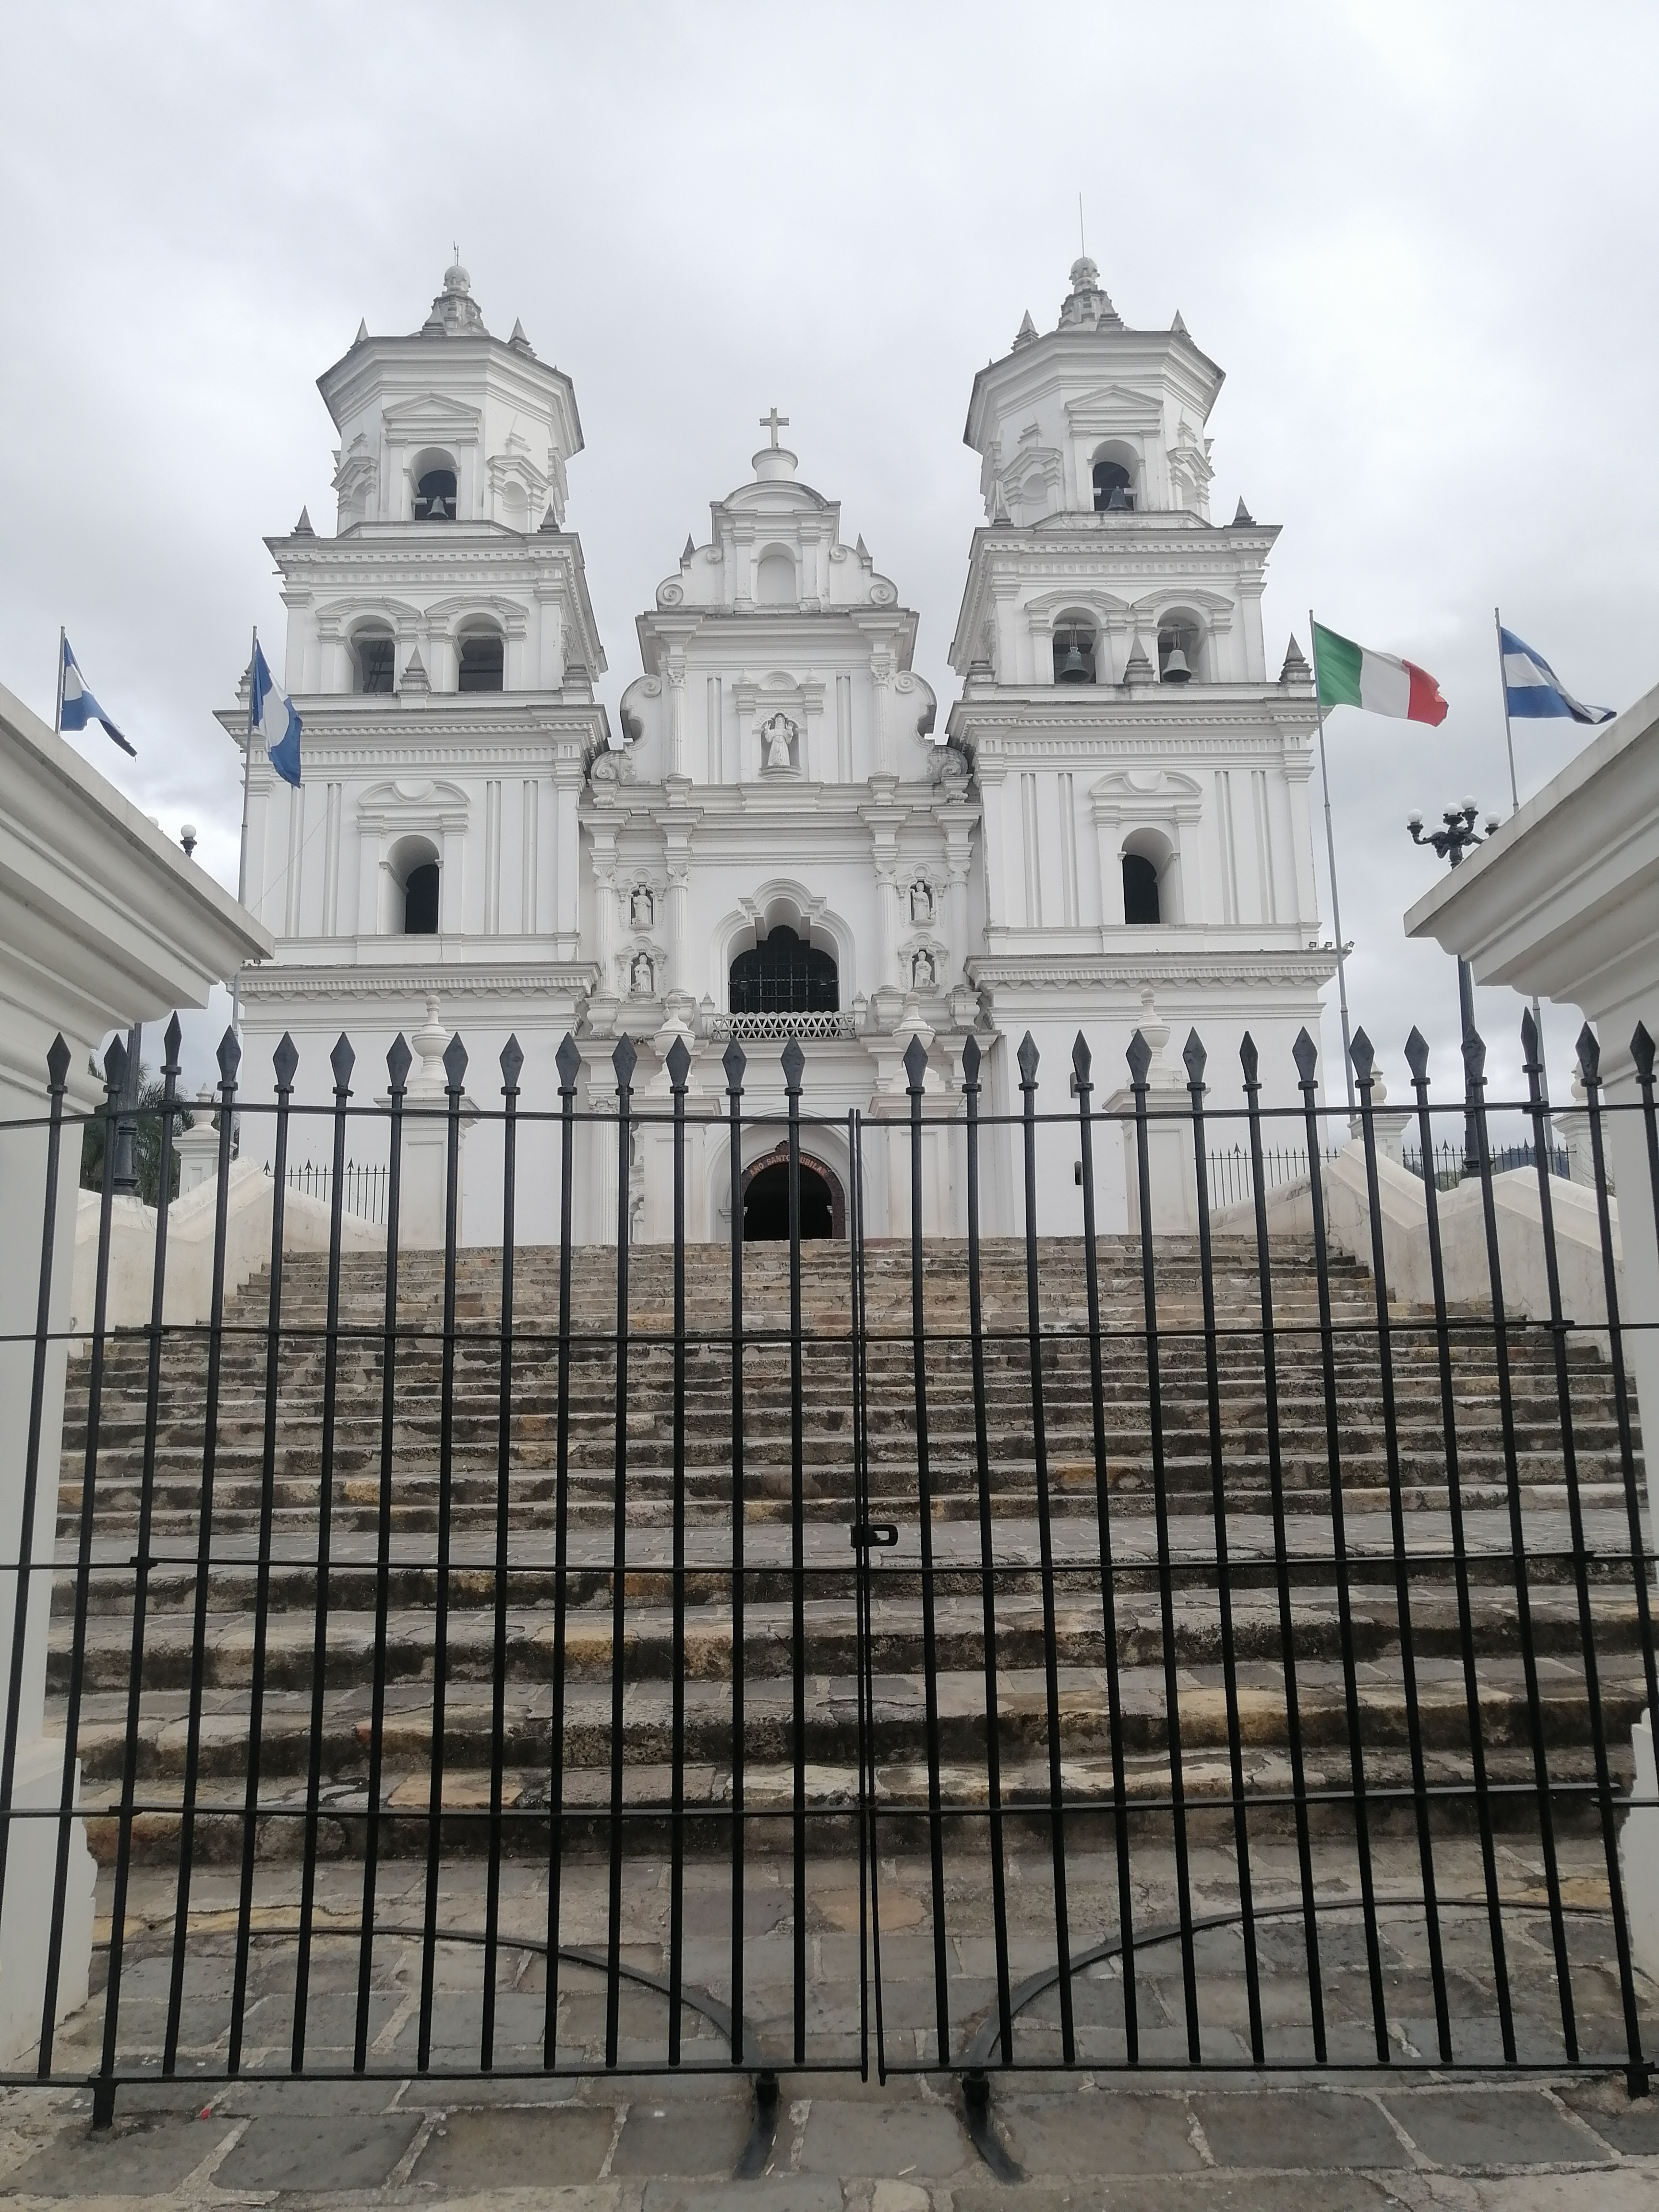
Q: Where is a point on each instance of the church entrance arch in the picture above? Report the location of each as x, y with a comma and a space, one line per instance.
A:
765, 1191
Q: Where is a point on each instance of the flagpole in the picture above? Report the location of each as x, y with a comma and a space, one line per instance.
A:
58, 708
1514, 808
1330, 854
241, 865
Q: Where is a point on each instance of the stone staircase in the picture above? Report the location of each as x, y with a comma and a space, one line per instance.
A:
698, 1651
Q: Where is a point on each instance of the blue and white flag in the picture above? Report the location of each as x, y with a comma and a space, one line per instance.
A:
1532, 687
80, 707
271, 711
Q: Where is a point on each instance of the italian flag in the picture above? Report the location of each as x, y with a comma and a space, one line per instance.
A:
1352, 675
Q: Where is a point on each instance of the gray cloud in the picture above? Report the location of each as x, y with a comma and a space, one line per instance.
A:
1419, 240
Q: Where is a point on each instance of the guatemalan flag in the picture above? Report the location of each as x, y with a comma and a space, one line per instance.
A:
1531, 686
271, 711
80, 707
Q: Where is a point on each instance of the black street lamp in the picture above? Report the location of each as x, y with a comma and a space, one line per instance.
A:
1451, 842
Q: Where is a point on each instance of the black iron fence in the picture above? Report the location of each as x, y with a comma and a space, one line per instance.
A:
802, 1639
1450, 1165
364, 1184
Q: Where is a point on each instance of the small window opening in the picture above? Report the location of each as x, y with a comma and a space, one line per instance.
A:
1140, 905
481, 662
1112, 490
1074, 654
374, 655
421, 901
766, 1205
784, 975
435, 496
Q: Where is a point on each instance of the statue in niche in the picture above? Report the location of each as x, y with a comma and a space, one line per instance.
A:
924, 973
642, 908
779, 734
643, 975
921, 903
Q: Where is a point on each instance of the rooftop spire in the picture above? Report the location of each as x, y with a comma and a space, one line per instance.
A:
1087, 307
455, 312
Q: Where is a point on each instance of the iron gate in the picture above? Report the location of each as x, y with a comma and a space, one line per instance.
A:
1230, 1664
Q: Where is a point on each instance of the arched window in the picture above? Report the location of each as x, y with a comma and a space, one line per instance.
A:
1140, 896
1074, 650
482, 661
421, 900
1180, 647
1113, 488
784, 975
435, 496
373, 651
774, 579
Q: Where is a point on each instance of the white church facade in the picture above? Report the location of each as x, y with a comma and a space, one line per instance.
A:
1111, 832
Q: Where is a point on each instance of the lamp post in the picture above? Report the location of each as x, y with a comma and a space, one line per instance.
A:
1451, 842
125, 1177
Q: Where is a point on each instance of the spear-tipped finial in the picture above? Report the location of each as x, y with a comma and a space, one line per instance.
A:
625, 1060
1082, 1061
285, 1060
915, 1066
1028, 1056
794, 1067
1305, 1053
342, 1060
173, 1040
1139, 1057
230, 1058
970, 1057
115, 1067
398, 1061
1474, 1056
1250, 1060
1363, 1053
1528, 1042
57, 1062
1590, 1056
1195, 1057
1641, 1051
734, 1060
569, 1062
679, 1064
1417, 1055
512, 1065
455, 1063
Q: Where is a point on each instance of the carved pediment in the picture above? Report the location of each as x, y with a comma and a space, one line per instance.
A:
432, 415
1114, 407
1147, 794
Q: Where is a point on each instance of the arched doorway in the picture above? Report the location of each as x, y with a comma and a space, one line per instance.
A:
766, 1198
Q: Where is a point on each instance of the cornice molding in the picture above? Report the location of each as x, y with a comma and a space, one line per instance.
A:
1132, 970
445, 983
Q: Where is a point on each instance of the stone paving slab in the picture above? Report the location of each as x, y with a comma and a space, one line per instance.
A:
1350, 2147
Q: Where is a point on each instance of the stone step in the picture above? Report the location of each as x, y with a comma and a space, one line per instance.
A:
828, 1626
899, 1719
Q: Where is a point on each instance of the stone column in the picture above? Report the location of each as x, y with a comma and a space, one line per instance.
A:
1172, 1178
198, 1147
423, 1196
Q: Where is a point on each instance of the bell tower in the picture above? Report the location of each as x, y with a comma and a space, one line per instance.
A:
426, 875
1144, 780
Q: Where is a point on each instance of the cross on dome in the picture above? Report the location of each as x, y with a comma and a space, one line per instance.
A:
774, 422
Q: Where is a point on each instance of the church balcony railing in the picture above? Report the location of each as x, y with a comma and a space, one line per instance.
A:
777, 1029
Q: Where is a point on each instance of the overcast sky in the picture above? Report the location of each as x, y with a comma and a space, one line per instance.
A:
1419, 240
